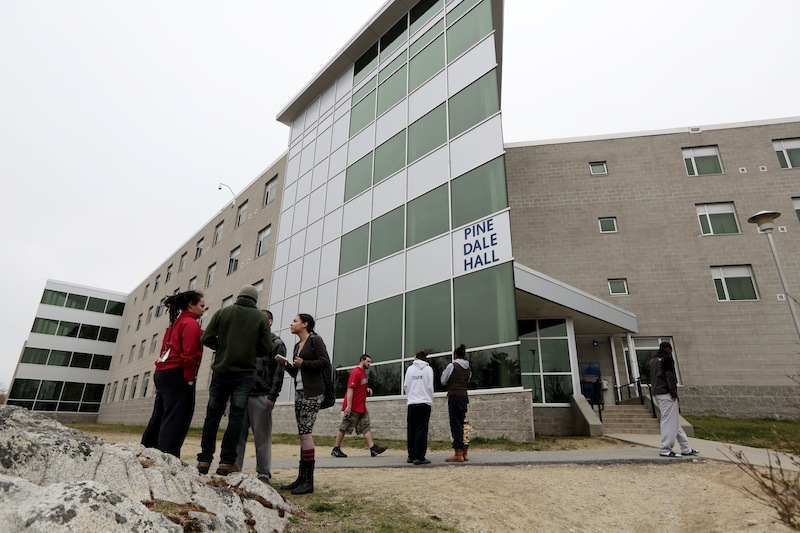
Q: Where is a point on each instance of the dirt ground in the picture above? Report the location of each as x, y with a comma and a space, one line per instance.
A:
692, 496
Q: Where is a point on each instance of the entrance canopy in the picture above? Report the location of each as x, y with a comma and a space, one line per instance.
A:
538, 295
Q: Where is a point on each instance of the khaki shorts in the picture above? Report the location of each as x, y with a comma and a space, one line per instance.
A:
357, 421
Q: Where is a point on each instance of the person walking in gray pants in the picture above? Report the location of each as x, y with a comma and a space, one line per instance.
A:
258, 415
664, 389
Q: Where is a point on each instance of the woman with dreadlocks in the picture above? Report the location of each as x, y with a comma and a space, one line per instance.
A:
176, 374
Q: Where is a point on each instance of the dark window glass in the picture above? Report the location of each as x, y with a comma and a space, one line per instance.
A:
20, 403
93, 392
348, 339
423, 12
45, 326
115, 308
77, 301
479, 192
59, 358
97, 305
50, 390
427, 216
101, 362
68, 329
393, 38
56, 298
68, 406
459, 10
426, 38
556, 327
341, 381
438, 364
385, 329
89, 331
557, 389
90, 407
24, 389
492, 291
72, 392
45, 406
494, 368
108, 334
81, 360
35, 356
428, 319
384, 380
365, 64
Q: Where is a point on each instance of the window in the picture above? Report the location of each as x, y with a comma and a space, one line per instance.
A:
702, 161
734, 283
492, 291
263, 241
149, 315
241, 214
598, 168
56, 298
608, 224
154, 344
362, 113
348, 336
365, 64
146, 288
259, 285
96, 305
428, 323
227, 301
479, 193
142, 347
788, 151
139, 322
390, 156
108, 334
45, 326
67, 329
478, 101
270, 190
89, 332
113, 392
160, 309
618, 286
198, 250
233, 261
385, 329
169, 274
157, 281
134, 382
182, 263
796, 202
358, 177
76, 301
425, 64
545, 360
392, 90
468, 30
81, 360
218, 232
717, 219
115, 308
101, 362
210, 275
354, 249
124, 389
193, 283
145, 383
387, 234
392, 39
645, 349
427, 133
35, 356
133, 351
59, 358
427, 216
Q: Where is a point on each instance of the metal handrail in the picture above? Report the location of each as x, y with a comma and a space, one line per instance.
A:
627, 387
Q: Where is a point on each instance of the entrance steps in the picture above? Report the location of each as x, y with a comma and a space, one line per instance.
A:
629, 419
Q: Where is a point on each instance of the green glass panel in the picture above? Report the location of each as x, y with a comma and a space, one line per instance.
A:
45, 326
469, 29
390, 157
391, 68
24, 389
97, 305
608, 225
479, 192
617, 286
348, 337
108, 334
720, 290
428, 319
101, 362
89, 332
689, 166
426, 63
365, 89
707, 164
494, 368
354, 249
426, 38
50, 390
459, 10
72, 392
427, 133
76, 301
529, 355
365, 64
557, 389
555, 355
782, 159
534, 383
422, 13
59, 358
68, 329
385, 329
556, 327
476, 102
56, 298
705, 228
115, 308
358, 177
387, 234
35, 356
722, 223
794, 156
492, 291
384, 380
392, 90
598, 169
393, 38
81, 360
362, 113
427, 216
741, 288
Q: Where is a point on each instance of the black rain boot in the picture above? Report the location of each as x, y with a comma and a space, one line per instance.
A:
307, 485
296, 483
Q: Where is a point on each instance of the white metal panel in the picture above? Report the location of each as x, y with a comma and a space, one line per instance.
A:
304, 185
337, 162
290, 310
310, 270
427, 96
300, 219
327, 99
278, 287
316, 206
292, 170
319, 175
391, 122
285, 227
428, 263
294, 273
476, 147
361, 144
386, 277
428, 173
344, 84
282, 253
335, 195
471, 66
308, 302
307, 158
326, 298
314, 235
329, 261
298, 245
352, 290
341, 131
357, 212
289, 196
388, 194
323, 145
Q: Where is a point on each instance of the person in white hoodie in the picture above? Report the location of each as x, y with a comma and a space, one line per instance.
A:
418, 387
455, 377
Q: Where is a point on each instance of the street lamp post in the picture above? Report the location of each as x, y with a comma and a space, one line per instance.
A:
765, 221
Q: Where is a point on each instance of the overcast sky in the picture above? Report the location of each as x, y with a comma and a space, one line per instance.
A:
118, 119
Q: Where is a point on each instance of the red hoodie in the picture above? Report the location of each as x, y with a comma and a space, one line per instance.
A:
186, 350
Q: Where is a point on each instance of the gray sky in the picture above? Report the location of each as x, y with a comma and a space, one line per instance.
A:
119, 119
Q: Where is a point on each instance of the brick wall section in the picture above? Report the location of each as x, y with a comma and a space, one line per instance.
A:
553, 421
745, 401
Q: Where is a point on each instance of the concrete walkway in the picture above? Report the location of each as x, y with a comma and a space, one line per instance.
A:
646, 452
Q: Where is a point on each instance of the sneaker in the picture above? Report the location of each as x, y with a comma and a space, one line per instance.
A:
224, 470
670, 454
422, 461
409, 460
337, 452
376, 450
691, 452
203, 467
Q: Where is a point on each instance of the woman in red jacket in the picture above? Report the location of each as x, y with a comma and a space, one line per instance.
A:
176, 374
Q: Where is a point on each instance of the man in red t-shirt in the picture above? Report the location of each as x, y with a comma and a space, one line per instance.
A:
354, 409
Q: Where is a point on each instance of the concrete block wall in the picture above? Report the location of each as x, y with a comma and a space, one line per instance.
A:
781, 403
553, 421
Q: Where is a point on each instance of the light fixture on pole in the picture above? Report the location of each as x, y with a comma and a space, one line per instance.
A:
233, 202
766, 223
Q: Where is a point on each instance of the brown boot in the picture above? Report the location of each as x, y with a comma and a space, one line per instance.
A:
458, 457
465, 453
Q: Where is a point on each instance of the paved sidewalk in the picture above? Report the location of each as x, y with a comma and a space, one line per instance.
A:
646, 452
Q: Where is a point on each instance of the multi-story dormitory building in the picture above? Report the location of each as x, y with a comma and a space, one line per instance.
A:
401, 220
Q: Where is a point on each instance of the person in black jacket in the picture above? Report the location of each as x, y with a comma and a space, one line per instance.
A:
309, 362
664, 388
267, 384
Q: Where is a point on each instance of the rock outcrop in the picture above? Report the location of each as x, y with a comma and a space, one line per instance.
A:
54, 478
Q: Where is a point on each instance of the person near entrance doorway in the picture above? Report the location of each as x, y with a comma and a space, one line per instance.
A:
665, 390
354, 409
455, 377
